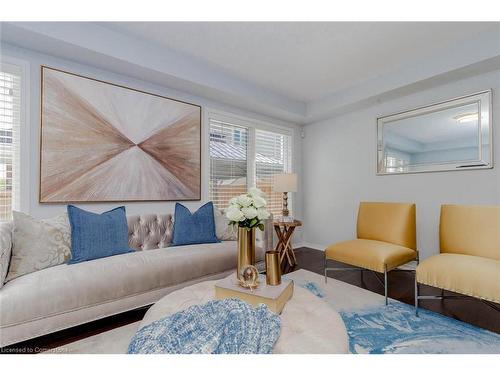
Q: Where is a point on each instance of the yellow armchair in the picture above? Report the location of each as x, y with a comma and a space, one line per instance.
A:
469, 258
386, 239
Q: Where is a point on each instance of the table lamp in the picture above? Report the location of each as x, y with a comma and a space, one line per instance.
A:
285, 183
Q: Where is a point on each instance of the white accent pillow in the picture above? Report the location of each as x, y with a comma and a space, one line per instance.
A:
223, 230
38, 244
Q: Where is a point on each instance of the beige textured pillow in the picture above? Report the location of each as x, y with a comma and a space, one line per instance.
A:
38, 244
223, 230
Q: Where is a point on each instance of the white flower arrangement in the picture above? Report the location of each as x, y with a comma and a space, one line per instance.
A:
248, 210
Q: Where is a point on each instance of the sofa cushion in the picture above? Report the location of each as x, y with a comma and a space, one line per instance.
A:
465, 274
194, 228
47, 292
38, 244
97, 235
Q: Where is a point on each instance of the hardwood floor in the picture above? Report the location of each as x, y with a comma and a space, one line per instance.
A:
54, 340
401, 287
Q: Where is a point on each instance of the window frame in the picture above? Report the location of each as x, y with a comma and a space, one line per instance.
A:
252, 125
22, 202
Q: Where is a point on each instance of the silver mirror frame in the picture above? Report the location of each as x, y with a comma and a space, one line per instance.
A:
485, 128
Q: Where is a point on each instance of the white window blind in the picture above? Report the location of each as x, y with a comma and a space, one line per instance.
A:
10, 123
228, 162
272, 157
242, 156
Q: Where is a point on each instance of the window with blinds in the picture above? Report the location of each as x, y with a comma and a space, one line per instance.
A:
228, 162
10, 123
242, 156
272, 157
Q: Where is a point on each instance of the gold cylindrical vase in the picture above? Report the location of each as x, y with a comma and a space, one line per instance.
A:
273, 270
246, 248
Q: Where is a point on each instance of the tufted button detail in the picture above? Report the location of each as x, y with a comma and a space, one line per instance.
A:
150, 231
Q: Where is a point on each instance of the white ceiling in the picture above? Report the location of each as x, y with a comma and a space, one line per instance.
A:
293, 72
304, 61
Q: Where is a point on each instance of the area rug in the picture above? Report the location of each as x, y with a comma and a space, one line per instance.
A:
375, 328
372, 327
396, 329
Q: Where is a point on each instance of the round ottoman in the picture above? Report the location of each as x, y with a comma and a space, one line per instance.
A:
308, 324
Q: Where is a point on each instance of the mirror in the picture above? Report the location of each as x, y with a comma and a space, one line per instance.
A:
452, 135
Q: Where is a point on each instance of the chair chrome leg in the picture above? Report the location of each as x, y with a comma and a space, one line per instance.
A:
385, 284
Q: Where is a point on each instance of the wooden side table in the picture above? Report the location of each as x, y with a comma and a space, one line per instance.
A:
284, 230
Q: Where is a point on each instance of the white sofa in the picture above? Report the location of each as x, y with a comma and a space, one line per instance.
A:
64, 296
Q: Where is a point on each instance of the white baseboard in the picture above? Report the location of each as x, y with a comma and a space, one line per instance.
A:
310, 245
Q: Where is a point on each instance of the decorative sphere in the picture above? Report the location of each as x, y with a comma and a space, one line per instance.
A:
249, 275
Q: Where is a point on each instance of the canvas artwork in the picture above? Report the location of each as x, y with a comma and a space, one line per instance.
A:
103, 142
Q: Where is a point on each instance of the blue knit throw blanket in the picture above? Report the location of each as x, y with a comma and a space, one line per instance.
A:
228, 326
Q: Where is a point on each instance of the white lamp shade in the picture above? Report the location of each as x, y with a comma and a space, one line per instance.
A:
285, 182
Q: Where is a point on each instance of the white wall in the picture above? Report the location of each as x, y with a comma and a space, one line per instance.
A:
30, 147
339, 171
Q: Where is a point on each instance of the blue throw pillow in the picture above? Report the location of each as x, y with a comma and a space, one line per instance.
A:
194, 228
96, 236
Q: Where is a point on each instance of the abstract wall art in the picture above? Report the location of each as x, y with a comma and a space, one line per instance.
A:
102, 142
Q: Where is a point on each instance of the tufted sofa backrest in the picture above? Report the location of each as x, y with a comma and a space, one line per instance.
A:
150, 231
155, 231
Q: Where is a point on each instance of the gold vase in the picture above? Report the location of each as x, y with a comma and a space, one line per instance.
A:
246, 248
273, 270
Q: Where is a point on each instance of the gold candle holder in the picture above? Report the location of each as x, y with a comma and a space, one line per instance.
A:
273, 270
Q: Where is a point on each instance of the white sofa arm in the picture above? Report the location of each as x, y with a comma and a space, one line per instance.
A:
5, 249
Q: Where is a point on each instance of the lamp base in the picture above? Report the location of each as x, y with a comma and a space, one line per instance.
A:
285, 211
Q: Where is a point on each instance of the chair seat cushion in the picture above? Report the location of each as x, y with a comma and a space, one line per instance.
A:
370, 254
465, 274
